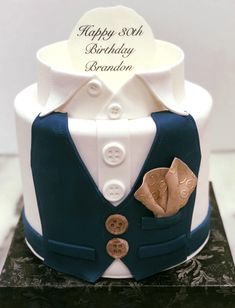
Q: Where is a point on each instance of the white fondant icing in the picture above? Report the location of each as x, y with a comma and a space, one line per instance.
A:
27, 108
63, 87
162, 88
88, 102
117, 269
109, 131
25, 114
33, 251
165, 81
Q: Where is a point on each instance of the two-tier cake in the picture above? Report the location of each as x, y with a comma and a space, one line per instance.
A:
115, 179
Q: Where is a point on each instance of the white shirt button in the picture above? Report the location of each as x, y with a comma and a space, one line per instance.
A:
113, 153
114, 190
94, 87
114, 111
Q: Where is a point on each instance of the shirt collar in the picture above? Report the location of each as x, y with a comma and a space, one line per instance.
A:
85, 96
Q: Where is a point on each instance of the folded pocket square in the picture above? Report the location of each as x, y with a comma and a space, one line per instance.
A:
165, 191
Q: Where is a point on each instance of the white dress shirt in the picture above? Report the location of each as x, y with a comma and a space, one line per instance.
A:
113, 149
113, 132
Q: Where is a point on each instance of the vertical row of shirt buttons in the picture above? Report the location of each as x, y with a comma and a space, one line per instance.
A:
94, 88
113, 152
113, 190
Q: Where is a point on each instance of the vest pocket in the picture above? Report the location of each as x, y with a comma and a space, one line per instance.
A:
151, 223
163, 248
75, 251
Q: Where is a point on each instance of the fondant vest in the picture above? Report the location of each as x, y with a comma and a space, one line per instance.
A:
73, 211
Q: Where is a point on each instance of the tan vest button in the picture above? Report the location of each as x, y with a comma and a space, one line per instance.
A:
116, 224
117, 248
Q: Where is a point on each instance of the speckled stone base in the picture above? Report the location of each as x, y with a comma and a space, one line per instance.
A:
206, 280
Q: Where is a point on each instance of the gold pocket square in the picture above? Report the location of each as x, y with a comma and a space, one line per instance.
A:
165, 191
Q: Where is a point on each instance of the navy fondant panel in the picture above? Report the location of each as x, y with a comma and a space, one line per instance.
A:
197, 238
163, 248
73, 211
74, 251
149, 223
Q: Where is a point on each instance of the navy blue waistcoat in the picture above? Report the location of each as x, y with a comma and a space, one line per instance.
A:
73, 211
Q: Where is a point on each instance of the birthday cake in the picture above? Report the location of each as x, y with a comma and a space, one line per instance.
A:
114, 152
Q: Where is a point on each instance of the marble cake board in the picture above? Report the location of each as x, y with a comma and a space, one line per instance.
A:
205, 280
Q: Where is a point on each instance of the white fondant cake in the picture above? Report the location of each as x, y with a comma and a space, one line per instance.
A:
112, 130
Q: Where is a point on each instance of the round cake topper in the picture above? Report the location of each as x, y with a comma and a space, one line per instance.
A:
113, 43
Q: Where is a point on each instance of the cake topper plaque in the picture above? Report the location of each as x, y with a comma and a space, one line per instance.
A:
112, 42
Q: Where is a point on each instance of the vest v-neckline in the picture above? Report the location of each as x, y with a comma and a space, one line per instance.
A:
79, 160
